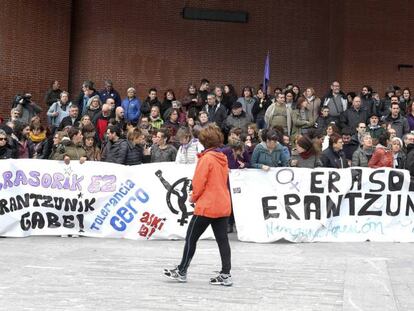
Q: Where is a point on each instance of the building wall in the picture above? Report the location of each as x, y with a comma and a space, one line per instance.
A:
377, 37
148, 43
34, 47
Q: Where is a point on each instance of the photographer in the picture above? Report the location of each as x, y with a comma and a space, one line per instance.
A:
26, 107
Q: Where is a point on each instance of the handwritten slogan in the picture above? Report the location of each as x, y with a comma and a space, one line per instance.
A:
304, 205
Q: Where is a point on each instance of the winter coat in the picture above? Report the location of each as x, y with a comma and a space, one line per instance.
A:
62, 110
409, 163
382, 157
132, 109
352, 117
400, 124
322, 123
104, 95
163, 155
68, 121
333, 159
300, 125
314, 106
115, 152
187, 154
74, 152
260, 107
6, 152
234, 163
240, 121
217, 114
134, 155
262, 156
270, 114
359, 158
247, 105
148, 104
52, 96
335, 108
210, 185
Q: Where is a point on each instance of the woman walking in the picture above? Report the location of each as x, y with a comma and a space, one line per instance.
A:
212, 207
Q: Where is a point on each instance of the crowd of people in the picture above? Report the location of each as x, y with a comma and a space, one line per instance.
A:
262, 129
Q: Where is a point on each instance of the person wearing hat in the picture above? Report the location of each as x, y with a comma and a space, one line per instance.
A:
374, 128
237, 118
305, 154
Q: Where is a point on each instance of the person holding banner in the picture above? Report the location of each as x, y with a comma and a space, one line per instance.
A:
212, 207
334, 157
269, 153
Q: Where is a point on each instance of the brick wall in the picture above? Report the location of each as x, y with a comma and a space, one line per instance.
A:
34, 47
148, 43
377, 37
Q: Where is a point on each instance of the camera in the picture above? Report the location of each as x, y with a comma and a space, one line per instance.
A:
22, 99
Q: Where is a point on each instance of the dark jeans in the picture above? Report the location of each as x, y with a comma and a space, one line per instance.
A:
197, 226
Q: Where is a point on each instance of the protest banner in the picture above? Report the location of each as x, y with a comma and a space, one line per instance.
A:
96, 199
310, 205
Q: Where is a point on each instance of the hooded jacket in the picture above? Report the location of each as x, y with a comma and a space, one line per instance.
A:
210, 190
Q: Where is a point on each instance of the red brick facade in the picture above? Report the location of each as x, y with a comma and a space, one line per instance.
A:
148, 43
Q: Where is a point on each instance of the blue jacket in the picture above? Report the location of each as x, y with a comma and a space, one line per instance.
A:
132, 109
262, 156
104, 95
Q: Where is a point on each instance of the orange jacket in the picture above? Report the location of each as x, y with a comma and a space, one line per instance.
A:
381, 158
210, 190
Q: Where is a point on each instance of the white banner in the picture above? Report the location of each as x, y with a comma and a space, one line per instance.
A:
96, 199
304, 205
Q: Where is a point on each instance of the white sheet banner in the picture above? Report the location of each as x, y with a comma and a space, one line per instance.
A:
304, 205
41, 197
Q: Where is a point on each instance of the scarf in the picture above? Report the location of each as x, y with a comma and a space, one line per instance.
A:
306, 155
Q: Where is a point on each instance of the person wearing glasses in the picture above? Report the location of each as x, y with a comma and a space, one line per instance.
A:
6, 151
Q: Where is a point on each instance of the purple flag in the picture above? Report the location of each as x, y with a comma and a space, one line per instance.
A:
266, 75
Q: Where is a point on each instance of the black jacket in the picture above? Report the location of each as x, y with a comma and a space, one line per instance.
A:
115, 152
147, 105
333, 159
259, 108
135, 154
351, 118
409, 162
217, 114
67, 121
6, 152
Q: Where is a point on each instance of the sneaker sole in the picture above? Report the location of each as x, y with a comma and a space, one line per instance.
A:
174, 279
222, 284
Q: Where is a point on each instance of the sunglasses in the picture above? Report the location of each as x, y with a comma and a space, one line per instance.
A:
3, 138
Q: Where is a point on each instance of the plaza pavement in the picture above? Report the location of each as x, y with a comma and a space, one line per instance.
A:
54, 273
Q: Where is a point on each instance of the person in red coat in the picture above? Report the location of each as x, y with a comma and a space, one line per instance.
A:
212, 206
382, 156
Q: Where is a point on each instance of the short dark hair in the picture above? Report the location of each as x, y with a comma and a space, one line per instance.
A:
114, 129
204, 81
395, 104
73, 131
